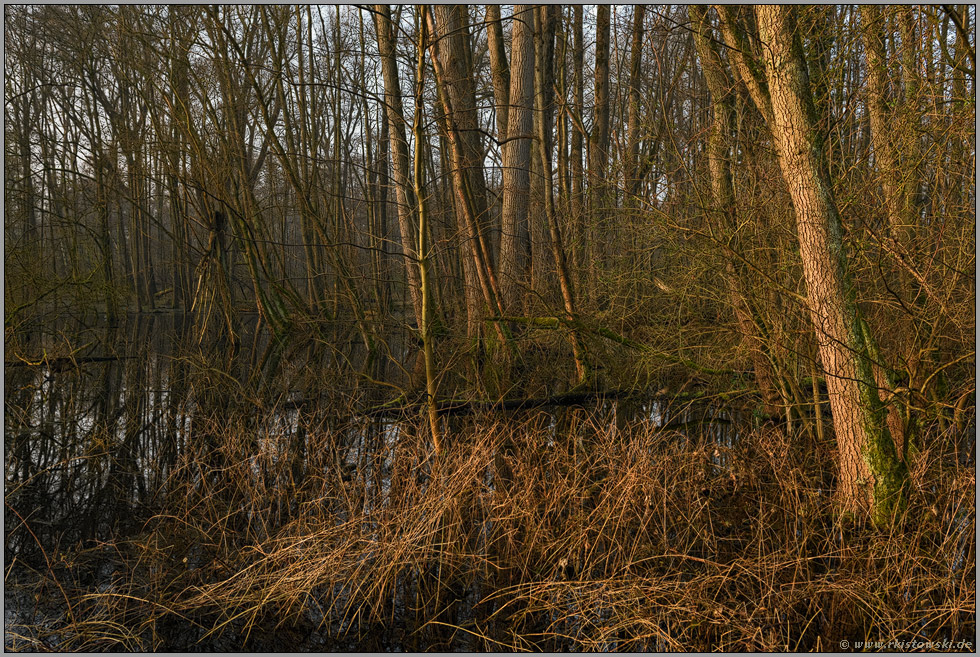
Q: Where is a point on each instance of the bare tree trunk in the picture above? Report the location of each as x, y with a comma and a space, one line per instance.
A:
308, 144
749, 70
577, 149
632, 172
563, 154
381, 185
515, 239
457, 93
178, 97
894, 142
499, 71
544, 83
399, 153
425, 321
599, 141
871, 477
896, 179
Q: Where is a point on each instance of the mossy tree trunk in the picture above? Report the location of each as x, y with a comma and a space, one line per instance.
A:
872, 478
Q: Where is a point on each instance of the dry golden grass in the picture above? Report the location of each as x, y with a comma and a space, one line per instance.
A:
539, 532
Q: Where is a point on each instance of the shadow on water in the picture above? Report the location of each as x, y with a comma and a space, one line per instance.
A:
142, 462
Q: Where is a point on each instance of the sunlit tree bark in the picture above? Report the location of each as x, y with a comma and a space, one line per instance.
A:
872, 478
499, 68
897, 180
425, 320
544, 83
451, 59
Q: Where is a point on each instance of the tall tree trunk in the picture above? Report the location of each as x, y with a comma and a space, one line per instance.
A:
632, 172
896, 179
872, 477
425, 321
577, 149
748, 69
544, 83
544, 50
515, 239
894, 142
452, 60
563, 154
405, 196
599, 141
178, 97
499, 71
381, 194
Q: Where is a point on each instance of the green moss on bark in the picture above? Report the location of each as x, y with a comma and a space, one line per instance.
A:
889, 473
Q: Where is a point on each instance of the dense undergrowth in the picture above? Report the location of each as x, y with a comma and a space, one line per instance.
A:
213, 325
571, 529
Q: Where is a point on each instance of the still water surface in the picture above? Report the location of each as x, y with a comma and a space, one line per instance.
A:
97, 435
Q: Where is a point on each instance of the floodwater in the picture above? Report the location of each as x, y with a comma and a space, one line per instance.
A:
92, 437
102, 431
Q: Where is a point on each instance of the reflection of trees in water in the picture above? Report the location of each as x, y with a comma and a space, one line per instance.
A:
93, 450
205, 467
95, 444
93, 439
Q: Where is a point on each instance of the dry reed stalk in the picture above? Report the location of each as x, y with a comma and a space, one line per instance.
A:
535, 533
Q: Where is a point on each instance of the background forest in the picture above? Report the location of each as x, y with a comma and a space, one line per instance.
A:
729, 250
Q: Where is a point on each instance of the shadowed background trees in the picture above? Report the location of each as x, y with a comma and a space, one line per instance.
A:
774, 199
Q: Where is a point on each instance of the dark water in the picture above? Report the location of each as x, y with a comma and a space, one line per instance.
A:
102, 421
92, 437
